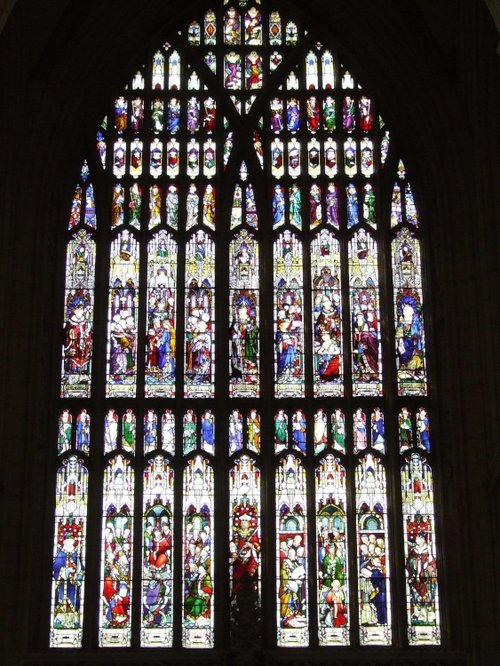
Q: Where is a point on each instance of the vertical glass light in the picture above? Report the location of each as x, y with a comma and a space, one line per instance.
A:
291, 559
408, 314
288, 316
365, 316
373, 552
326, 315
157, 558
68, 568
198, 537
76, 370
115, 607
121, 365
161, 316
244, 334
331, 530
244, 544
422, 596
199, 317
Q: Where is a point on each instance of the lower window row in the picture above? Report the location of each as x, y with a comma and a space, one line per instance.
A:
306, 583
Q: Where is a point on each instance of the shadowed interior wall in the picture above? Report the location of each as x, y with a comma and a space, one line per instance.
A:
435, 67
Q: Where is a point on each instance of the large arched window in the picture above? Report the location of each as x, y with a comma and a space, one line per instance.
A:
244, 394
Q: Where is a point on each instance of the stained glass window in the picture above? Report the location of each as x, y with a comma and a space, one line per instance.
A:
331, 530
115, 611
247, 319
158, 584
68, 581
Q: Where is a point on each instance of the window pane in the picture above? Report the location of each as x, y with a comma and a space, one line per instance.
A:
157, 562
422, 596
288, 313
244, 545
333, 590
327, 315
161, 321
373, 553
365, 317
244, 333
291, 544
199, 316
198, 600
123, 316
408, 314
116, 557
76, 371
68, 569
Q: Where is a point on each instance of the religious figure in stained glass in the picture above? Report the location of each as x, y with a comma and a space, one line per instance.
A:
332, 205
253, 431
299, 431
245, 549
348, 114
150, 431
199, 314
278, 206
313, 117
157, 561
172, 206
333, 604
161, 335
315, 211
365, 114
123, 314
320, 431
276, 115
378, 430
409, 331
117, 212
359, 433
280, 431
110, 431
369, 205
294, 206
68, 566
137, 117
157, 114
116, 564
292, 560
410, 343
129, 431
327, 317
173, 116
83, 432
289, 315
421, 564
373, 559
198, 554
329, 114
168, 432
134, 206
78, 326
352, 206
244, 335
423, 430
364, 314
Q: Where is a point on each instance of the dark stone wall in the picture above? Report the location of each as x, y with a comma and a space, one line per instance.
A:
434, 67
